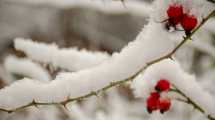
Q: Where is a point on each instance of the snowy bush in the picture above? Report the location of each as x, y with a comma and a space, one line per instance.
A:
154, 67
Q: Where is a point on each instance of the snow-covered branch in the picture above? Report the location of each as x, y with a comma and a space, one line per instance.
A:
118, 67
186, 84
152, 50
68, 87
70, 59
26, 68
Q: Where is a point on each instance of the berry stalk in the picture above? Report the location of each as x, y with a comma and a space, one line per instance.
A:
189, 101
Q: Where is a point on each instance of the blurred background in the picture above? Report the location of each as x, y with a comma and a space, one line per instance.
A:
96, 26
72, 25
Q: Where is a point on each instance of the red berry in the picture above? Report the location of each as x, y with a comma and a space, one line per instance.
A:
175, 13
175, 10
188, 22
152, 101
164, 104
155, 95
162, 85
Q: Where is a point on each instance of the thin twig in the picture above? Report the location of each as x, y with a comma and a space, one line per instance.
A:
191, 102
113, 84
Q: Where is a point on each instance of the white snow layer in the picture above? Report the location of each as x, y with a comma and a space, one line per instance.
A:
145, 48
70, 59
152, 42
172, 71
26, 68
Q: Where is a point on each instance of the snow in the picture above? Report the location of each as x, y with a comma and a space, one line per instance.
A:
119, 66
70, 59
25, 67
97, 70
172, 71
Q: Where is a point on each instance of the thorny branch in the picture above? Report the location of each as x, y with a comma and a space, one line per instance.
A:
191, 102
113, 84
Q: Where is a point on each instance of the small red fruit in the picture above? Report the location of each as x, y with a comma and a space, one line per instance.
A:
162, 85
188, 22
164, 104
155, 95
152, 102
175, 13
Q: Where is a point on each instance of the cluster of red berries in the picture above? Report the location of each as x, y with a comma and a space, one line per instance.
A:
177, 16
155, 101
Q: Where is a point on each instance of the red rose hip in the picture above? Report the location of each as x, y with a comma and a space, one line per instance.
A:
155, 95
164, 104
162, 85
188, 23
175, 13
152, 102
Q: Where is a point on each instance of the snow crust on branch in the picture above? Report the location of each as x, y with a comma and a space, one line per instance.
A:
70, 59
26, 68
152, 42
172, 71
120, 66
